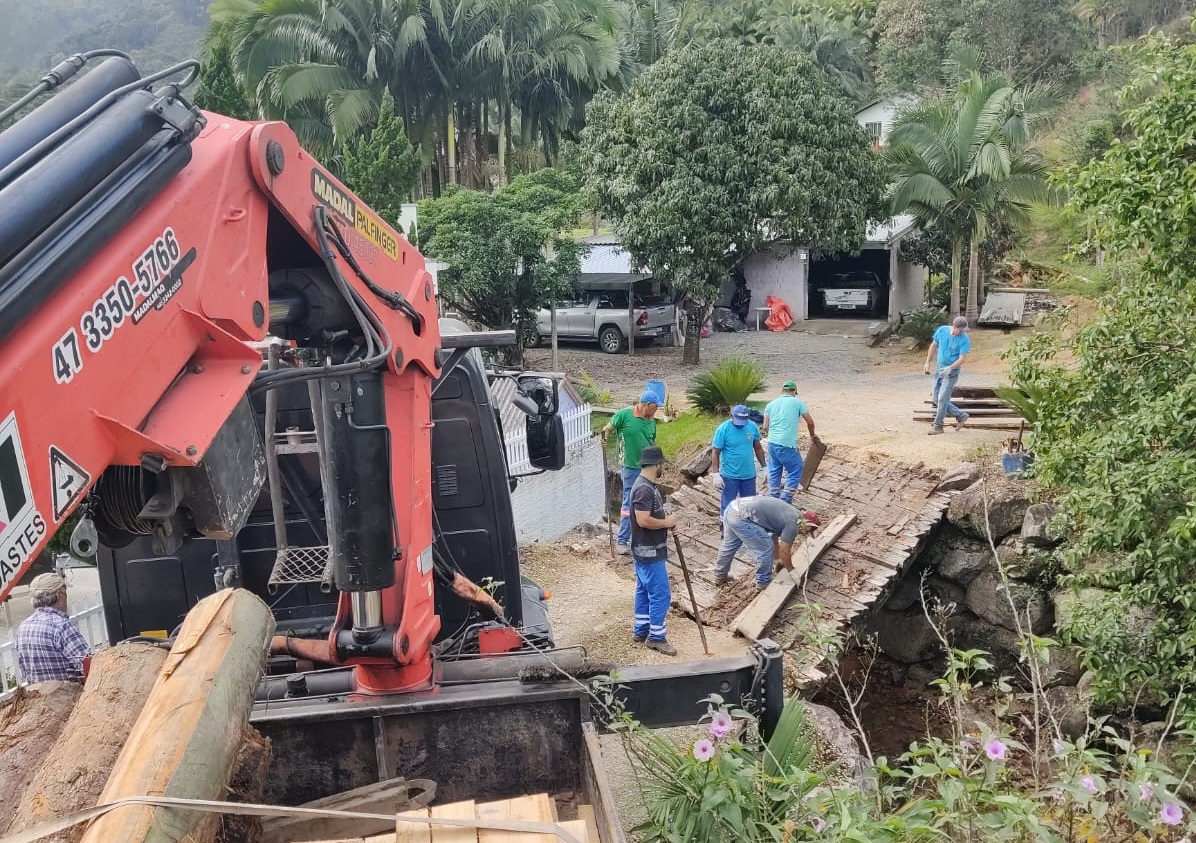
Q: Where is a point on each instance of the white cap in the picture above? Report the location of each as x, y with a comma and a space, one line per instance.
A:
44, 585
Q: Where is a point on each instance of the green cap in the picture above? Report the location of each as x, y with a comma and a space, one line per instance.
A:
790, 385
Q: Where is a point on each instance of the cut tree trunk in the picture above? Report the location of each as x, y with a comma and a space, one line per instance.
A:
247, 785
694, 316
72, 776
30, 722
186, 740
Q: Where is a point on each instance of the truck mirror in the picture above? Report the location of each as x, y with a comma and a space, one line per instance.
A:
546, 442
541, 389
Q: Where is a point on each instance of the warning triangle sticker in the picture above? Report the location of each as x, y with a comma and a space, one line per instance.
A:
68, 480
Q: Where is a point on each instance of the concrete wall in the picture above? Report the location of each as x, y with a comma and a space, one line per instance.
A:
776, 271
909, 286
883, 112
549, 505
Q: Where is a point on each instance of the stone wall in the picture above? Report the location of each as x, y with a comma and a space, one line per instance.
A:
962, 581
549, 505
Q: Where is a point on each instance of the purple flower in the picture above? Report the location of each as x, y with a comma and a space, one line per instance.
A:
994, 749
720, 725
1146, 792
703, 750
819, 824
1089, 784
1058, 746
966, 745
1171, 814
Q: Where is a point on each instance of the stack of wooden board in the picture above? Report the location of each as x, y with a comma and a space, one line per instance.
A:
538, 808
986, 411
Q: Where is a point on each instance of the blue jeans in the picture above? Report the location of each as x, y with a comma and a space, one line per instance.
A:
733, 489
630, 475
652, 599
944, 385
737, 532
781, 460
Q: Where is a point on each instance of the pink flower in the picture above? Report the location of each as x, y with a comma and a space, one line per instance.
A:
1058, 746
703, 750
1088, 784
966, 745
819, 824
720, 725
1171, 814
994, 749
1146, 792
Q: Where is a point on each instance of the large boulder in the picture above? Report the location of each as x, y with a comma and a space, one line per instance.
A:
908, 594
836, 743
906, 637
958, 557
699, 464
959, 476
1006, 504
1070, 707
1038, 527
968, 632
1024, 561
989, 598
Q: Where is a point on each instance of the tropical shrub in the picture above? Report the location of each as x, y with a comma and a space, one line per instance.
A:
726, 384
921, 325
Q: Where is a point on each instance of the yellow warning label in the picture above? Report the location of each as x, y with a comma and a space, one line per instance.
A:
365, 222
154, 633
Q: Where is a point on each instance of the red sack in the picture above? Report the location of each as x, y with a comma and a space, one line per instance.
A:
779, 317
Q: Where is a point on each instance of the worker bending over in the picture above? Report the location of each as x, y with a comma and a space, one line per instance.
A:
768, 526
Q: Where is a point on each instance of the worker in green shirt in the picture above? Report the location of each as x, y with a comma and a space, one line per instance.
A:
636, 428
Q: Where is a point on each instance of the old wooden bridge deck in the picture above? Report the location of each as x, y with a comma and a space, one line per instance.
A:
896, 506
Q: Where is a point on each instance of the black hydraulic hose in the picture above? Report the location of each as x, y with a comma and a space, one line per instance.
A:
61, 72
38, 150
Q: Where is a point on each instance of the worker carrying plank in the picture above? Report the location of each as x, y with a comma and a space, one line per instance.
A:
769, 527
782, 419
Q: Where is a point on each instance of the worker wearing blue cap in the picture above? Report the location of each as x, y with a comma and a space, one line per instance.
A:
636, 427
735, 443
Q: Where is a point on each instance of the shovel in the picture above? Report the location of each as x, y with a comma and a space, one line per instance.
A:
689, 587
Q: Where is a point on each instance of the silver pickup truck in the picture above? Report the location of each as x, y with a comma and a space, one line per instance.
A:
602, 317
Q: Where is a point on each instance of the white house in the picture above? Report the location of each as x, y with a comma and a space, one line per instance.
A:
878, 116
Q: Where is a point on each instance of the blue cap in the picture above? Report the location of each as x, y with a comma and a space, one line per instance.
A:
649, 398
740, 415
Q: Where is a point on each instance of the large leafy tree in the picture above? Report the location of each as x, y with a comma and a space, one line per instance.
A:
383, 167
964, 162
220, 89
508, 252
1116, 399
716, 150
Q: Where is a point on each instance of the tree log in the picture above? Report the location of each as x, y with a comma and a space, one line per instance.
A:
186, 740
247, 785
30, 722
73, 774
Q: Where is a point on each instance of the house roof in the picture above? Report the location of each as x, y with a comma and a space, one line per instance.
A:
608, 239
889, 232
606, 257
610, 280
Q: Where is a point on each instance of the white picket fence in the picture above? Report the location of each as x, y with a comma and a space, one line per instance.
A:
577, 429
90, 622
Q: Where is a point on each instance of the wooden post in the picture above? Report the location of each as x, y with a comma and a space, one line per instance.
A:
631, 319
186, 740
74, 772
556, 366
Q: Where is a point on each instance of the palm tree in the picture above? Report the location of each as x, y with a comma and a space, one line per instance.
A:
962, 162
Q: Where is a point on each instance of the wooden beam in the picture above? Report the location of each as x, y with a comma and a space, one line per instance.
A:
750, 623
185, 741
385, 797
454, 834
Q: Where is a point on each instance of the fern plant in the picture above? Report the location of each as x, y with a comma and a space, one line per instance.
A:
726, 384
921, 325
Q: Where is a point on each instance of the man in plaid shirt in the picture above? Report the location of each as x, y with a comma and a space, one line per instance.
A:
48, 645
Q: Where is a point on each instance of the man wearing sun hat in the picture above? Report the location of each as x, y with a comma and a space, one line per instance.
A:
49, 648
636, 428
782, 418
732, 468
650, 525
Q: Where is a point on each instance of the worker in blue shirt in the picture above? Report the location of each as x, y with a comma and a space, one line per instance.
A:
735, 443
953, 346
782, 418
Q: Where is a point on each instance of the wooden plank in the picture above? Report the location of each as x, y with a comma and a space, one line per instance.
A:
578, 829
813, 459
751, 622
454, 811
586, 814
535, 808
385, 797
413, 832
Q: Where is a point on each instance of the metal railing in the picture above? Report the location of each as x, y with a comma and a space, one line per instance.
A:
89, 622
577, 430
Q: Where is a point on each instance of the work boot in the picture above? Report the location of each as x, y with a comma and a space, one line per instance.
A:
934, 431
625, 549
662, 646
961, 420
721, 581
760, 586
639, 639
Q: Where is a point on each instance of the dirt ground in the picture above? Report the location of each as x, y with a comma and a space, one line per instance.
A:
858, 396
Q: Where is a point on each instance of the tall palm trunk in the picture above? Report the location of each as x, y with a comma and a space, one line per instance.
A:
451, 138
956, 262
973, 310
